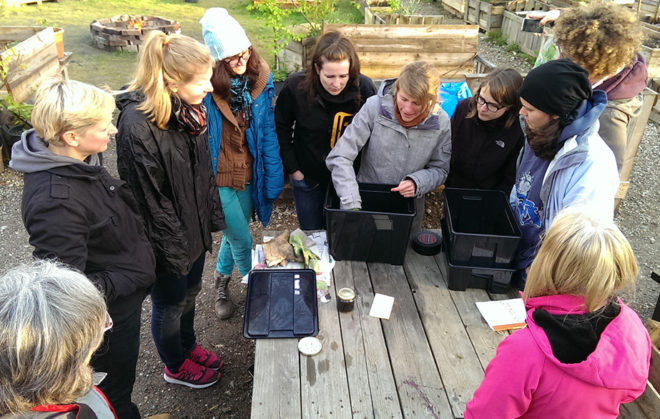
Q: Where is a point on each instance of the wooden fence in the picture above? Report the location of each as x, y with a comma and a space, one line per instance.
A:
385, 49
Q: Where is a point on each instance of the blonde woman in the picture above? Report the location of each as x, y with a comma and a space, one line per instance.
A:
404, 137
58, 318
163, 154
77, 213
584, 351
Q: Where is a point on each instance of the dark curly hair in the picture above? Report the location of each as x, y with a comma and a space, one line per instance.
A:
602, 37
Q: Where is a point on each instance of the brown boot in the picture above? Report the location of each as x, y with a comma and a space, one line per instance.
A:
223, 305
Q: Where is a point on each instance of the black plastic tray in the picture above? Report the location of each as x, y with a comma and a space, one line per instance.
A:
281, 303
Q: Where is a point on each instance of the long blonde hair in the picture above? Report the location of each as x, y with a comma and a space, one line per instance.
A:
582, 255
164, 60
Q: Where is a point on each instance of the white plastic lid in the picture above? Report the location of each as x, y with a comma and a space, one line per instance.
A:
309, 346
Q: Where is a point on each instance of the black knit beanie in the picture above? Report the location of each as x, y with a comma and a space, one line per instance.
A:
557, 88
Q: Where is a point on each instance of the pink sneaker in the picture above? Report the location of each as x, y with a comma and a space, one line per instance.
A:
192, 375
206, 358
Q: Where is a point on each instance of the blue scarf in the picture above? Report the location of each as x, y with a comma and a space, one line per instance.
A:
241, 99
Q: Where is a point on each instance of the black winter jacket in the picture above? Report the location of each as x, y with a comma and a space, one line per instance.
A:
483, 154
318, 124
172, 179
80, 215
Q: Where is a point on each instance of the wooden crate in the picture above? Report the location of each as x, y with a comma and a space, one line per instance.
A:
363, 4
297, 55
284, 4
454, 7
487, 15
16, 3
384, 16
385, 49
529, 43
29, 57
650, 52
529, 5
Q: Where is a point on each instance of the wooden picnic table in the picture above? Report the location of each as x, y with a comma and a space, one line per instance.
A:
425, 361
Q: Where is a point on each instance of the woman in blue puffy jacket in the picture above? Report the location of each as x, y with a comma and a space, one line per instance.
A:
243, 143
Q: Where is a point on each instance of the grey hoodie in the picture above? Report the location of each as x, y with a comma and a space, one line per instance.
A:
31, 154
390, 152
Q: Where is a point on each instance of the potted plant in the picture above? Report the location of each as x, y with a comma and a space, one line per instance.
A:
14, 119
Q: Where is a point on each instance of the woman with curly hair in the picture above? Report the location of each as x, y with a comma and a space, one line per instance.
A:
604, 39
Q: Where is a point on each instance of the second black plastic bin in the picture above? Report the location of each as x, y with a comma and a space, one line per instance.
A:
482, 228
379, 232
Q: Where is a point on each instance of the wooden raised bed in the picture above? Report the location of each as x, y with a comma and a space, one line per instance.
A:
29, 56
385, 49
284, 4
487, 15
384, 16
651, 51
296, 56
454, 7
16, 3
363, 4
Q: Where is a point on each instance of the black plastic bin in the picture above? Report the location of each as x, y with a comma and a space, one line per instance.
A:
495, 280
281, 303
482, 228
378, 233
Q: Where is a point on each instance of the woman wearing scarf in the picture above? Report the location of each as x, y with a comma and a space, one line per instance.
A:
163, 154
243, 143
404, 137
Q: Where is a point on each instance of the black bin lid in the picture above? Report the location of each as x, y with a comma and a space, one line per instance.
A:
281, 303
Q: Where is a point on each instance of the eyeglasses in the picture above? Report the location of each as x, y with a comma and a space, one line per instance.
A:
491, 107
243, 56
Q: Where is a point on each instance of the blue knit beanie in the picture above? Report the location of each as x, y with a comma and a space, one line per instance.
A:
223, 35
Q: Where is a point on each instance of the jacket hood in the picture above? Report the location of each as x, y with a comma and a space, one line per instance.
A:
615, 363
587, 115
385, 87
128, 97
31, 154
628, 82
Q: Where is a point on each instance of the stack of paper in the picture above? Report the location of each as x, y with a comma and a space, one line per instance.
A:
503, 314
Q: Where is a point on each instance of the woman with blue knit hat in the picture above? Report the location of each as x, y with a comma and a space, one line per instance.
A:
243, 143
564, 161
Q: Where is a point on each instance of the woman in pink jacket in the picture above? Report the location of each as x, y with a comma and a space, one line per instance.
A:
583, 352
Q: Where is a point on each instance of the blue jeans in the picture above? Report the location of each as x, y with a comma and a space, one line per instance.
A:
173, 316
309, 197
117, 356
236, 246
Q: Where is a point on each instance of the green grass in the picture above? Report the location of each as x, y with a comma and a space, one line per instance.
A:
115, 69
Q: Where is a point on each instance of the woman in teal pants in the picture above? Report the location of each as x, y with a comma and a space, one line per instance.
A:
242, 141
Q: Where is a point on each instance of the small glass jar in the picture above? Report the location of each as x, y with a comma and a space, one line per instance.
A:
345, 299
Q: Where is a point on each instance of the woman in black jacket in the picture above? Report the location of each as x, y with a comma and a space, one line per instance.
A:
311, 113
77, 213
486, 137
163, 154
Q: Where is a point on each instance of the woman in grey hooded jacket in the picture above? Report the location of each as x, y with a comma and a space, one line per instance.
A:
404, 137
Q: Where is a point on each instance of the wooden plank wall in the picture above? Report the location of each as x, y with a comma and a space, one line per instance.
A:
488, 16
29, 62
528, 42
385, 49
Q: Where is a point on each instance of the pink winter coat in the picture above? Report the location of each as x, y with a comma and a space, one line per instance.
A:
526, 380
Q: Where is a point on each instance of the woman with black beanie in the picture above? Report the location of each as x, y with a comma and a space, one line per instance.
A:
564, 161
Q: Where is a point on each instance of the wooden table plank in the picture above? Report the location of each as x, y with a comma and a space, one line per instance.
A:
483, 339
457, 361
420, 388
324, 386
372, 387
276, 387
